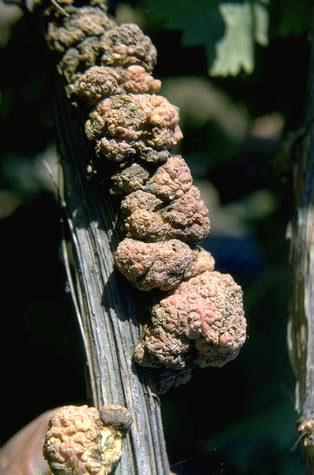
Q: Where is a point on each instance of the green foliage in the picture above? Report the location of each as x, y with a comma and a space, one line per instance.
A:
227, 29
230, 30
245, 24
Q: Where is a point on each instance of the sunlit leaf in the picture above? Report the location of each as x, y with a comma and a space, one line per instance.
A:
227, 28
261, 24
245, 23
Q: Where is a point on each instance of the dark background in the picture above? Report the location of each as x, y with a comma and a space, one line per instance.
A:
236, 420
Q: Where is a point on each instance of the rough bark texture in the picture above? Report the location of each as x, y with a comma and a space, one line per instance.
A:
106, 308
301, 329
301, 325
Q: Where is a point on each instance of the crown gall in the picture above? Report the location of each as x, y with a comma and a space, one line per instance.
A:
117, 417
222, 339
202, 261
131, 178
100, 82
82, 441
79, 58
159, 265
139, 200
207, 312
160, 348
95, 84
80, 23
134, 124
171, 180
126, 45
148, 219
136, 80
187, 216
108, 70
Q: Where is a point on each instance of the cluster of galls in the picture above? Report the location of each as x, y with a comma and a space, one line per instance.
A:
108, 68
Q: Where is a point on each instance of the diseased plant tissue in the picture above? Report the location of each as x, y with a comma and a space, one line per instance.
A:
82, 440
199, 318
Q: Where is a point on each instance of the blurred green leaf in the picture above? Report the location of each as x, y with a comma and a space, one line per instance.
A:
228, 29
200, 21
245, 23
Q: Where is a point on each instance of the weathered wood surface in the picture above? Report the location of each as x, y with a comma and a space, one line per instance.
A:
301, 324
106, 306
301, 327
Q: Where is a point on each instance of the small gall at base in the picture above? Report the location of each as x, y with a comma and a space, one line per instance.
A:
82, 441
